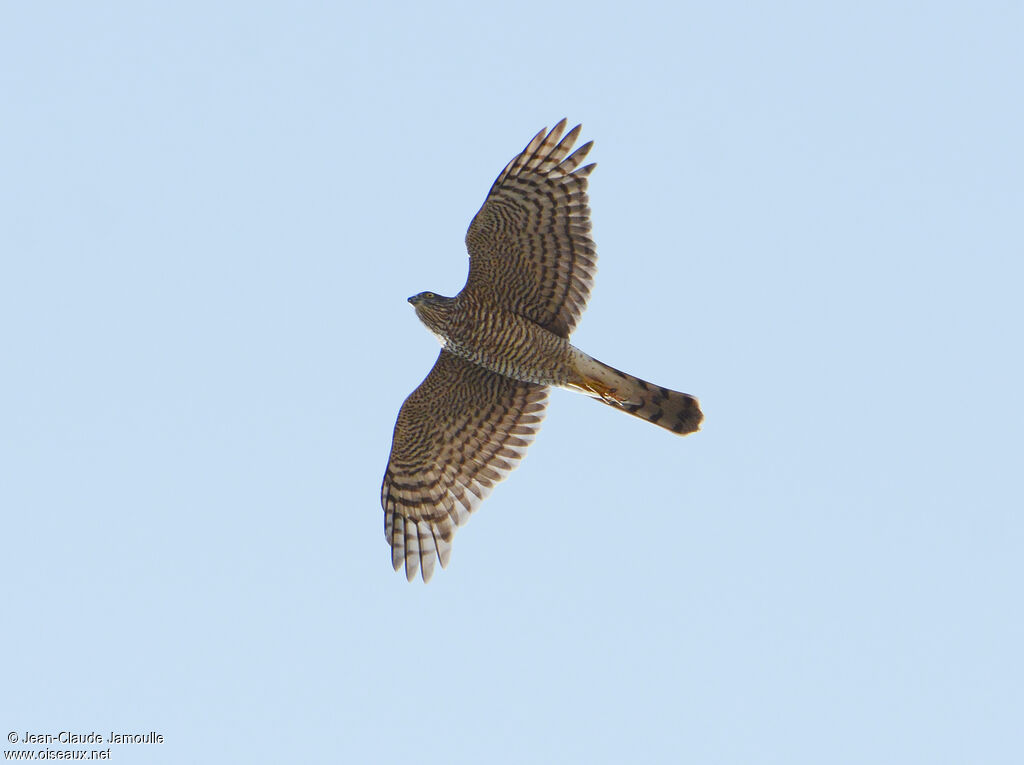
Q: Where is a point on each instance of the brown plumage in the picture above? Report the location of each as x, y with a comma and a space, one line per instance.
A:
505, 340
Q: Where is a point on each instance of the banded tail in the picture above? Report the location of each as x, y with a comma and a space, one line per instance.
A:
669, 409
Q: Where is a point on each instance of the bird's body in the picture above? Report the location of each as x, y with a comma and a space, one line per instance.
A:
504, 341
497, 339
512, 346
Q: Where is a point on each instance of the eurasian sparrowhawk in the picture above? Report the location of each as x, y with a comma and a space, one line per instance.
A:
504, 340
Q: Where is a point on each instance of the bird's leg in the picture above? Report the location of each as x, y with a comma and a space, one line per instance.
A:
598, 389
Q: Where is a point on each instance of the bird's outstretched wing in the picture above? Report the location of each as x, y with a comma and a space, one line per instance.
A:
530, 249
459, 433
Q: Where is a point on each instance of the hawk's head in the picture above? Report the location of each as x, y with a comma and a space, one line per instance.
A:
433, 311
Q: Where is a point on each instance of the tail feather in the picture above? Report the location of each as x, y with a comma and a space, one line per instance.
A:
669, 409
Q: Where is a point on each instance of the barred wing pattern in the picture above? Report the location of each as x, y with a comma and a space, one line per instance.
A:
530, 250
459, 433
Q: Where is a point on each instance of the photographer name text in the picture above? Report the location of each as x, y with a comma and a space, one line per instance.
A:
67, 737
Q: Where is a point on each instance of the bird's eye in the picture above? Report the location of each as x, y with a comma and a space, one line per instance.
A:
429, 295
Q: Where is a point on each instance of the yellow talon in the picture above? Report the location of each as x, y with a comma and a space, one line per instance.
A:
599, 390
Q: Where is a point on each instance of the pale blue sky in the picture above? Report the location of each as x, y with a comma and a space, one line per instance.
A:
807, 214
